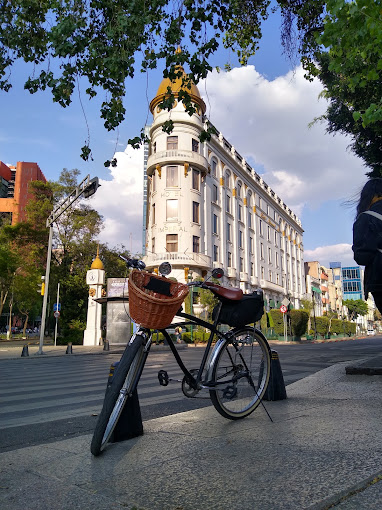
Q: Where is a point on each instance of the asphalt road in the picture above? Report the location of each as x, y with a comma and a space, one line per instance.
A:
46, 399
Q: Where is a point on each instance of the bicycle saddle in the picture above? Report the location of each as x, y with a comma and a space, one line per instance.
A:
230, 293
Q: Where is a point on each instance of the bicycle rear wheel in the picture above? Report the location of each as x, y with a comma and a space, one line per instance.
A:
241, 374
122, 386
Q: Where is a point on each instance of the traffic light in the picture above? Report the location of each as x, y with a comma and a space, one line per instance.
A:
92, 187
186, 271
155, 270
43, 288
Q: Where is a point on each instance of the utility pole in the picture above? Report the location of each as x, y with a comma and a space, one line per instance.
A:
87, 188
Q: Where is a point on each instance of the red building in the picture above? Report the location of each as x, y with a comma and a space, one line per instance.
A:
14, 183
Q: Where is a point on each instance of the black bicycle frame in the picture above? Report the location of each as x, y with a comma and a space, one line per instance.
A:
191, 319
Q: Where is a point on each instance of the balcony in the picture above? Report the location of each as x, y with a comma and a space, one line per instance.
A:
324, 276
264, 284
178, 259
176, 156
243, 277
217, 265
231, 272
255, 281
324, 288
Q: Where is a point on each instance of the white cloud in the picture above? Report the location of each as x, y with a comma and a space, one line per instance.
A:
267, 121
334, 253
120, 201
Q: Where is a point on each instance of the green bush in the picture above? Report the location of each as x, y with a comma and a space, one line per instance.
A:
72, 333
337, 327
322, 325
299, 320
278, 323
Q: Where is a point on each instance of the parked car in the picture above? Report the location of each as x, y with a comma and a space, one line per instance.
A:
371, 331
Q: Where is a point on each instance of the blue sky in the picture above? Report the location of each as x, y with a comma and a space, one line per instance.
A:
264, 110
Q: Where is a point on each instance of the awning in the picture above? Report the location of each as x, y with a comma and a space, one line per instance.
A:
272, 303
316, 289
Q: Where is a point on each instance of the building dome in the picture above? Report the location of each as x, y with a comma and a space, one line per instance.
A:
97, 262
176, 86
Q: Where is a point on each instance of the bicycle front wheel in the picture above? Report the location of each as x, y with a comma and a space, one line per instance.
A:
240, 373
122, 386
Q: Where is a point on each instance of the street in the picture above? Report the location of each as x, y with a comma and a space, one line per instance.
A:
45, 399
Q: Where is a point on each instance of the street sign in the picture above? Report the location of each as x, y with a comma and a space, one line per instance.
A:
285, 301
57, 307
56, 314
283, 309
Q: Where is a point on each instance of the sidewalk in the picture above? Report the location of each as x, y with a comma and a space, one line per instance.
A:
322, 449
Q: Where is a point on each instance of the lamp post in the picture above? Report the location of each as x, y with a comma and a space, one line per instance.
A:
87, 187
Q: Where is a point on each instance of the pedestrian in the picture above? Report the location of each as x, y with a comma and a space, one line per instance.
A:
178, 333
367, 238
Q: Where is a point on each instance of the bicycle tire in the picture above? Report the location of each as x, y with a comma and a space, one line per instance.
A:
244, 363
117, 393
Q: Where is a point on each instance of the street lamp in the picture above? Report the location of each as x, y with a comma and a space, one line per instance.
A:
87, 187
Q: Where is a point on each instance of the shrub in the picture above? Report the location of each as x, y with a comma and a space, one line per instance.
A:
278, 323
299, 320
72, 333
322, 325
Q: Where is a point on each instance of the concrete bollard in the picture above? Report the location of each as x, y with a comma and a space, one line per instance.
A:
129, 424
106, 346
276, 386
69, 349
25, 351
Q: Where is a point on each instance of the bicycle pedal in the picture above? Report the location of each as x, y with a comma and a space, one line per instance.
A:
163, 378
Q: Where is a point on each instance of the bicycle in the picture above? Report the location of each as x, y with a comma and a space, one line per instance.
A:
235, 370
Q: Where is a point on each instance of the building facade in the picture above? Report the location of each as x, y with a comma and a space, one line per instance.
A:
14, 188
206, 208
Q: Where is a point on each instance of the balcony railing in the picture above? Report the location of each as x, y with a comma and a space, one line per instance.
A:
231, 272
176, 156
243, 277
177, 258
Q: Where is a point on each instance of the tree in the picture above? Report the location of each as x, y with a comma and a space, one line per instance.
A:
98, 45
356, 307
351, 73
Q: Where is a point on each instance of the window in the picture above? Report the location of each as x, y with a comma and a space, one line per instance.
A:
214, 166
276, 239
269, 256
172, 142
195, 244
195, 212
261, 231
229, 232
261, 251
251, 245
195, 145
270, 275
172, 243
240, 212
195, 179
153, 209
171, 209
215, 224
172, 177
153, 245
216, 253
228, 205
154, 147
229, 259
277, 259
249, 220
153, 182
241, 265
252, 269
269, 233
214, 193
241, 239
262, 273
277, 279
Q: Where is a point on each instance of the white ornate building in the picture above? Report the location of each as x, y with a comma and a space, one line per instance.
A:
206, 208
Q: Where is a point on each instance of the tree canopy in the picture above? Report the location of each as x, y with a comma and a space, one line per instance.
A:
356, 307
97, 45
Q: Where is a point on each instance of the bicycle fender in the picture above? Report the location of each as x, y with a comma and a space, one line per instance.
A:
214, 354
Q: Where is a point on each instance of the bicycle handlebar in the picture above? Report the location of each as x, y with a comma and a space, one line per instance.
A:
136, 263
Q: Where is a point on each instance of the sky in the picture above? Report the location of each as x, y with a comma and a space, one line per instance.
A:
263, 109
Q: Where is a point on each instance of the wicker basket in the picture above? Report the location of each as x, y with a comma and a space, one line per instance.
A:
152, 309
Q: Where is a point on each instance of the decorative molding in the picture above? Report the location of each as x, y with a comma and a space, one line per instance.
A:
221, 181
186, 167
159, 170
234, 192
245, 201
